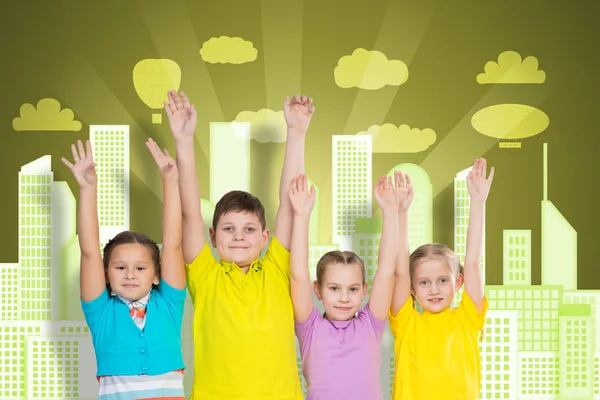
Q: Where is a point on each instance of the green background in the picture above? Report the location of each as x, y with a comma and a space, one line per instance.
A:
83, 53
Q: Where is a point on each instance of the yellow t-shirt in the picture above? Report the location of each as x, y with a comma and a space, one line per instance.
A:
244, 346
437, 355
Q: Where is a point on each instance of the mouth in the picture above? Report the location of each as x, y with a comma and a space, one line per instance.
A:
435, 300
344, 309
130, 286
239, 248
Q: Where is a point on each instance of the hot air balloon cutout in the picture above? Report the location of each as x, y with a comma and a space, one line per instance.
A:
510, 123
152, 79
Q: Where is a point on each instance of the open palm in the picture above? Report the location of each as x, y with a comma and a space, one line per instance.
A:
384, 193
298, 112
164, 161
477, 183
84, 168
404, 192
181, 114
301, 198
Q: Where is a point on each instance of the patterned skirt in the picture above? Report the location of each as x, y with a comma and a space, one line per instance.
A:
167, 386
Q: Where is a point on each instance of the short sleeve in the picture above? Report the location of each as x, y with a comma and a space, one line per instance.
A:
197, 271
279, 257
399, 321
378, 326
303, 329
468, 309
92, 310
174, 297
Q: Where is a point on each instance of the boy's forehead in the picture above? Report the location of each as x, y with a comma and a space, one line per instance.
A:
241, 217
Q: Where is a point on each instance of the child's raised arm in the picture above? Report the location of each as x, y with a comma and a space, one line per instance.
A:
302, 202
172, 267
404, 194
479, 187
297, 112
92, 279
383, 283
182, 120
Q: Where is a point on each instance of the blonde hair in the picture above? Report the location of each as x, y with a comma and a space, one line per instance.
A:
435, 250
339, 257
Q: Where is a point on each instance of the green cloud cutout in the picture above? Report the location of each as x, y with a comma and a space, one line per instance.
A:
47, 117
369, 70
388, 138
228, 50
510, 69
265, 125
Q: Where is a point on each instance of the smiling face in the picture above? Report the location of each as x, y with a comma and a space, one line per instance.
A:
341, 290
239, 238
131, 271
434, 284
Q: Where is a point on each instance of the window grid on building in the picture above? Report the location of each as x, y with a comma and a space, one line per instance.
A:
9, 289
539, 375
538, 306
13, 341
35, 222
576, 351
496, 352
109, 154
54, 368
351, 169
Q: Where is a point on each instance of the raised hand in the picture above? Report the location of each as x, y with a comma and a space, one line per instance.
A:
181, 114
302, 200
404, 192
164, 161
84, 169
298, 112
384, 193
477, 183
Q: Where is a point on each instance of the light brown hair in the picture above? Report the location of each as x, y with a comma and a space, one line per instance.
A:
340, 257
239, 201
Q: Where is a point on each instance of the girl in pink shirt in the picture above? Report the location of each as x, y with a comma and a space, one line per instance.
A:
341, 353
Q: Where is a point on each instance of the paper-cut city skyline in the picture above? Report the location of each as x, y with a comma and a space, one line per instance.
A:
533, 334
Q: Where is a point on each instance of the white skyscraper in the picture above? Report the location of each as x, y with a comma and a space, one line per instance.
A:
35, 240
352, 189
110, 144
229, 158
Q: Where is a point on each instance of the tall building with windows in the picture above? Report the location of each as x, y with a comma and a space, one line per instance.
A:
576, 352
9, 292
35, 240
498, 349
365, 243
110, 145
352, 189
516, 252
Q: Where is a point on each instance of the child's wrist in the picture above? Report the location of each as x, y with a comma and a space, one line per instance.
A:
295, 131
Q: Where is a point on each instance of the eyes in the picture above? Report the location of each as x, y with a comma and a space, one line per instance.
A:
335, 289
122, 267
248, 229
441, 281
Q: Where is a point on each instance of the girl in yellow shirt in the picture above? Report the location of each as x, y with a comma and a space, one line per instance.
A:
436, 352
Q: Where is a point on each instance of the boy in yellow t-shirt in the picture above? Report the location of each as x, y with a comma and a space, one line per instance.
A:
243, 318
437, 355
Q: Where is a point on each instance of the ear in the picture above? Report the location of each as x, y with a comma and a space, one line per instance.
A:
365, 288
412, 291
156, 280
265, 237
460, 279
213, 237
317, 290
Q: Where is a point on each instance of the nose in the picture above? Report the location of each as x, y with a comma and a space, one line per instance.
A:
129, 274
433, 289
345, 297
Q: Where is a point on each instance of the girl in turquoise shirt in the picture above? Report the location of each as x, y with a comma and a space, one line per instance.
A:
137, 355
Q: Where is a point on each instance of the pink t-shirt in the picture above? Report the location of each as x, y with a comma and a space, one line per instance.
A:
341, 359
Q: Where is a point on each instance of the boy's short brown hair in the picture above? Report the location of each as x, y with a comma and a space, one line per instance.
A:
239, 201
